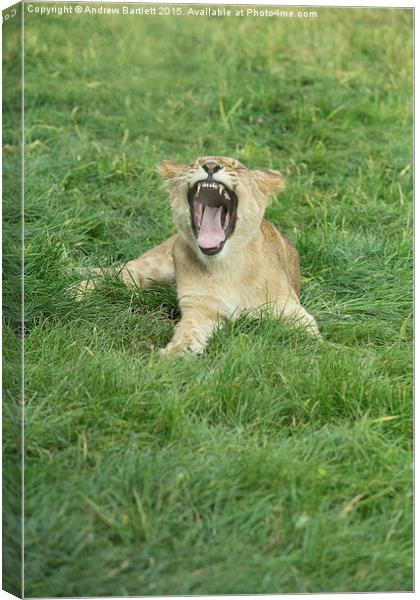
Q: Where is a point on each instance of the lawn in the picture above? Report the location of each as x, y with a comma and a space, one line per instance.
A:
273, 464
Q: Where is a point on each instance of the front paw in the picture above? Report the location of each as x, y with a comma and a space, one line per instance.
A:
181, 348
82, 289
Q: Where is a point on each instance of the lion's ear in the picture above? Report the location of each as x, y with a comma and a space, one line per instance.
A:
169, 169
270, 182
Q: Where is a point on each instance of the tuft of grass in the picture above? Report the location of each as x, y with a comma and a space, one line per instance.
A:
273, 464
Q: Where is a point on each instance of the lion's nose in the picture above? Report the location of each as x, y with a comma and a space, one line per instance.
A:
211, 167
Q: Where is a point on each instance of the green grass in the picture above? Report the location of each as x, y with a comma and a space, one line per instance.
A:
272, 464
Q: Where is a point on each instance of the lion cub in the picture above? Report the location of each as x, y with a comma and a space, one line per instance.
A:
226, 258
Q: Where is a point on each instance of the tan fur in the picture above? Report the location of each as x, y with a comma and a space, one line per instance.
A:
257, 269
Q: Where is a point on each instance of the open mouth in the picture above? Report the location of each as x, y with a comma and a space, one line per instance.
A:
213, 214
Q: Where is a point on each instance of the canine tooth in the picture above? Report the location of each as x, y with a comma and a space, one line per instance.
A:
227, 219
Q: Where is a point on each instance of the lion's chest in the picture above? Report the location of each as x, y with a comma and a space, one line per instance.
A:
233, 291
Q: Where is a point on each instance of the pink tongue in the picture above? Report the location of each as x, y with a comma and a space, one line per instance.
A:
211, 232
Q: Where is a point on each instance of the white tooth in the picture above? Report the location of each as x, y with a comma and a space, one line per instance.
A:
227, 219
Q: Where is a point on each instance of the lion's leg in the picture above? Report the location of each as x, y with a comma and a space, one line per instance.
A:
90, 284
293, 311
154, 265
200, 318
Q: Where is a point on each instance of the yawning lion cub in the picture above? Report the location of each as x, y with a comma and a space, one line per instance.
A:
225, 258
